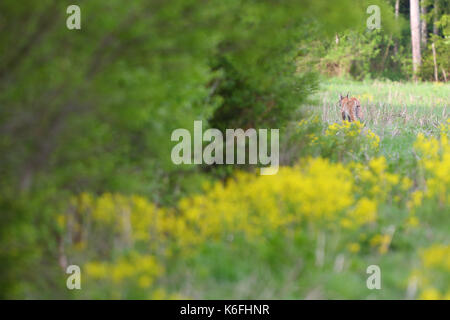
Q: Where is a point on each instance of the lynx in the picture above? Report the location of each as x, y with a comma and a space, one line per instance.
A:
350, 108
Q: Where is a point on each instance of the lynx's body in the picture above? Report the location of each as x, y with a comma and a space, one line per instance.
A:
350, 108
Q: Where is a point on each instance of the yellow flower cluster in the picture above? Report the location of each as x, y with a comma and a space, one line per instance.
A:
377, 183
382, 242
314, 196
354, 130
437, 255
433, 275
435, 162
132, 216
307, 130
315, 192
346, 128
142, 268
365, 212
374, 139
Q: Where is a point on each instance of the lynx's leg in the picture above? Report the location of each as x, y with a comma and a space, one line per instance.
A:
353, 111
346, 116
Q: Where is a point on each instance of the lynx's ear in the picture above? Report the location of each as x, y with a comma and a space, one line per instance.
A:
348, 94
340, 96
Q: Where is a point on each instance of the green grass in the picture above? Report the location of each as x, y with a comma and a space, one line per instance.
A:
395, 111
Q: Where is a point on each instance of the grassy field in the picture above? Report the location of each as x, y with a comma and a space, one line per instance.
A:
390, 107
352, 196
395, 111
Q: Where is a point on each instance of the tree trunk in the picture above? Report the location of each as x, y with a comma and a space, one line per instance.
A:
415, 36
435, 17
435, 63
397, 9
423, 23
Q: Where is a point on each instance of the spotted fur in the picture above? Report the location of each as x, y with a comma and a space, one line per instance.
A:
350, 108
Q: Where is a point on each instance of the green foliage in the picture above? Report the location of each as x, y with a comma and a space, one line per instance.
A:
442, 47
385, 53
92, 110
358, 52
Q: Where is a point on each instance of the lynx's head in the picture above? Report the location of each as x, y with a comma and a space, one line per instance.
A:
342, 98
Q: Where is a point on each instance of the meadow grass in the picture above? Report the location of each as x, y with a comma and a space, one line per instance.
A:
395, 105
395, 111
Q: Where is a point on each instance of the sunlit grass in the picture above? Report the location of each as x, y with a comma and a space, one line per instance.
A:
395, 111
